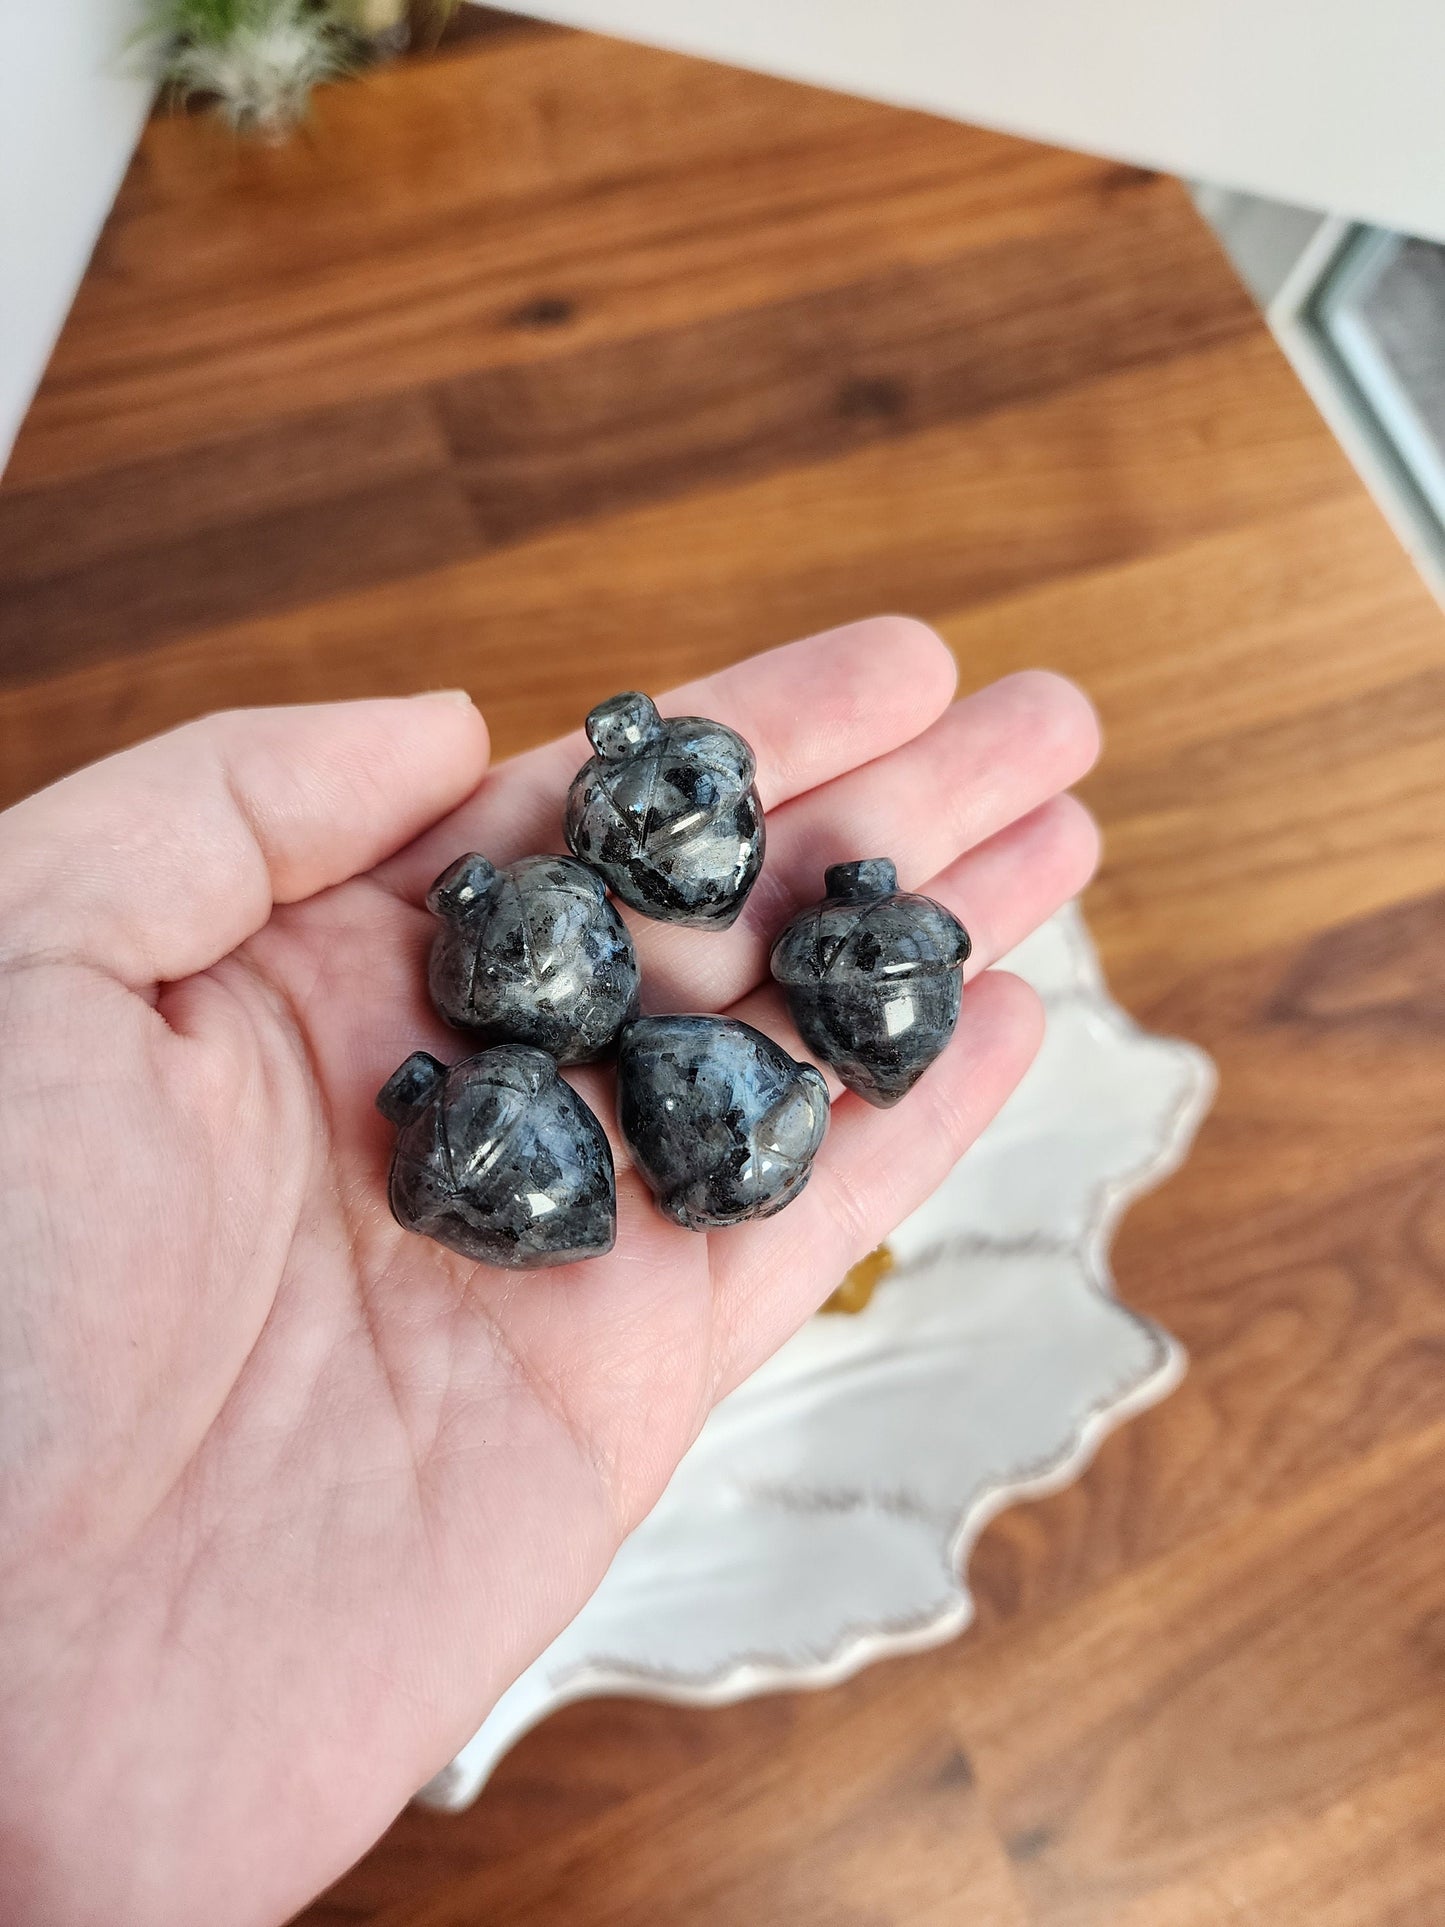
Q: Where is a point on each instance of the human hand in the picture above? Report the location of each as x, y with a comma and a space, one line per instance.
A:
289, 1495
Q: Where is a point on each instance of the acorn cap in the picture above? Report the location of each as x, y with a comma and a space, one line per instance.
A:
865, 906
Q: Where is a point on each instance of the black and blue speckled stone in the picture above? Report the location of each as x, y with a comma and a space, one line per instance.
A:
500, 1160
667, 812
532, 954
721, 1122
873, 977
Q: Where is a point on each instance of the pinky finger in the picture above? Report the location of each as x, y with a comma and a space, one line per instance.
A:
873, 1169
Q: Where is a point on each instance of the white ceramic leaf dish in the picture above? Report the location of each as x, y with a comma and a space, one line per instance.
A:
824, 1517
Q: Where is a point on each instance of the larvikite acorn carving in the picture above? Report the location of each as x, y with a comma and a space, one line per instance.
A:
873, 977
667, 812
500, 1160
721, 1122
532, 954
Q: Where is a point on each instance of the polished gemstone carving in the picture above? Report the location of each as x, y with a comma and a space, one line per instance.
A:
532, 954
499, 1159
722, 1123
667, 812
873, 977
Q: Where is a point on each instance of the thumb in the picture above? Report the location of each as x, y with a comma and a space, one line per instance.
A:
156, 862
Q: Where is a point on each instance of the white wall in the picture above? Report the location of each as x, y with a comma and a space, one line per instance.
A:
1332, 104
72, 101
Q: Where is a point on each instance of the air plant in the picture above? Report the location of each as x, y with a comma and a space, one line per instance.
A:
259, 59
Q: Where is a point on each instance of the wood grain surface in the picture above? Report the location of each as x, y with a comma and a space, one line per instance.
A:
548, 365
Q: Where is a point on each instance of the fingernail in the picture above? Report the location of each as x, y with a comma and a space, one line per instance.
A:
444, 696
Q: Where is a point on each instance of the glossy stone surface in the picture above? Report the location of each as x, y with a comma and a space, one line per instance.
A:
667, 812
532, 954
873, 977
721, 1122
500, 1160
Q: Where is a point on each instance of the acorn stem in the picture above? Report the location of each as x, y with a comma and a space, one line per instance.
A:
860, 881
462, 888
621, 726
410, 1087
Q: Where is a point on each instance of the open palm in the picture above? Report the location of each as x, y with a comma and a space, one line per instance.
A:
288, 1495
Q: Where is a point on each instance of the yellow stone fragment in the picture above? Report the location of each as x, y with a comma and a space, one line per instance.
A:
861, 1282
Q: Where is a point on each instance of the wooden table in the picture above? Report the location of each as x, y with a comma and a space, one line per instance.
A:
549, 365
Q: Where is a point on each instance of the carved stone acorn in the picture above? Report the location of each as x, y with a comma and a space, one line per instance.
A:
667, 812
873, 977
532, 954
722, 1123
500, 1160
